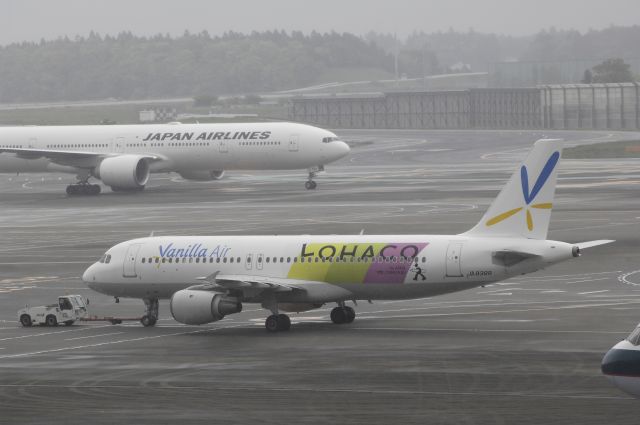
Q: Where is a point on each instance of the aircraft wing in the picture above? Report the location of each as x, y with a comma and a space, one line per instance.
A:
83, 159
218, 282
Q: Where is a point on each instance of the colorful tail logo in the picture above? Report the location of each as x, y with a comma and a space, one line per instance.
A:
530, 196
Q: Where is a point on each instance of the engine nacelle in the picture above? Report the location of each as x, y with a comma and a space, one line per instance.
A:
124, 171
298, 307
193, 307
203, 176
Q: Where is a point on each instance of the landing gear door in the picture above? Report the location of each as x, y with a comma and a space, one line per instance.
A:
130, 260
454, 252
293, 142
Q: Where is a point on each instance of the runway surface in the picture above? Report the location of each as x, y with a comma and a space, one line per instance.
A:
527, 350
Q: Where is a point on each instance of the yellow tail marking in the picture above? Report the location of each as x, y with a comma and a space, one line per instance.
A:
545, 206
503, 216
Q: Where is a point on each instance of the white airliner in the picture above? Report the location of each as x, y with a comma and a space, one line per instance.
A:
209, 277
123, 156
621, 364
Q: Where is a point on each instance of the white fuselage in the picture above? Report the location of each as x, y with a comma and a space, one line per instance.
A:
334, 268
182, 148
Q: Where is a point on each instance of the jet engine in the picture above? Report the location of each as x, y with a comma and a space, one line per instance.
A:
203, 176
193, 307
124, 172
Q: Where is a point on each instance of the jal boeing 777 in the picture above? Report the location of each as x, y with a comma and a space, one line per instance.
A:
123, 156
209, 277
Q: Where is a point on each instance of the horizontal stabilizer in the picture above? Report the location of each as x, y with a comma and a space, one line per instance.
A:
591, 244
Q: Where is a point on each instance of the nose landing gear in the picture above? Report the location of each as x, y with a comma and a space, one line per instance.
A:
313, 172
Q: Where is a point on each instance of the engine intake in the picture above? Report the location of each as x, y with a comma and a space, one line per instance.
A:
193, 307
124, 171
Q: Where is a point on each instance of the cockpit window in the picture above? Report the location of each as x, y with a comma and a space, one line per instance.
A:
107, 260
634, 337
330, 139
104, 257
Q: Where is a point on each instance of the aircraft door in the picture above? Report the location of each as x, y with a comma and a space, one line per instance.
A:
224, 148
32, 142
293, 142
130, 260
249, 262
119, 144
454, 252
260, 262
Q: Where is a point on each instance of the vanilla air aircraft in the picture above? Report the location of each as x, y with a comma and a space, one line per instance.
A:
123, 156
209, 277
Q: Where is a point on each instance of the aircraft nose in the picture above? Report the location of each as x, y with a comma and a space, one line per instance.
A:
89, 275
341, 149
622, 367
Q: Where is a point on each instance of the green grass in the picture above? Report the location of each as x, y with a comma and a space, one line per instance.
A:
625, 149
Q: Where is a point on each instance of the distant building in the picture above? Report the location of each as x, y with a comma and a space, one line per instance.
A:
158, 114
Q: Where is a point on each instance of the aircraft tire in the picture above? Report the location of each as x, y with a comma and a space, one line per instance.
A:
350, 313
25, 320
284, 322
310, 185
148, 321
271, 323
68, 322
338, 316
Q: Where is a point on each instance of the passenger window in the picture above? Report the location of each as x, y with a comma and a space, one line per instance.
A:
143, 260
163, 260
224, 260
231, 260
218, 260
191, 260
157, 260
424, 259
197, 259
238, 260
267, 259
210, 259
288, 259
295, 259
282, 259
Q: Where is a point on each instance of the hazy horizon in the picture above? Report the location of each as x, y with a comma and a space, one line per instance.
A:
32, 20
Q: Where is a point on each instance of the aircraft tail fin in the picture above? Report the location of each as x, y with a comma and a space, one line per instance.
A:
523, 207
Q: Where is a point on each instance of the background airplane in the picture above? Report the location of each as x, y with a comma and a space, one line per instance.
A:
123, 156
209, 277
621, 364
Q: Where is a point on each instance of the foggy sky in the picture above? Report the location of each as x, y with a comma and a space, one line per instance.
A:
31, 20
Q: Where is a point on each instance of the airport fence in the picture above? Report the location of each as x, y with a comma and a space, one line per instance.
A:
594, 106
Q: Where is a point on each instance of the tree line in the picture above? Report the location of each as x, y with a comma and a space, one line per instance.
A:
126, 66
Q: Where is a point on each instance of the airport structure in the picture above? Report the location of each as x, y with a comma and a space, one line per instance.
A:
559, 107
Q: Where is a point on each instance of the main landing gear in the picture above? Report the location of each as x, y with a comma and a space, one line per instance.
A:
277, 321
83, 189
343, 314
151, 312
